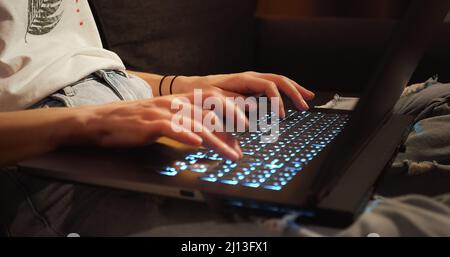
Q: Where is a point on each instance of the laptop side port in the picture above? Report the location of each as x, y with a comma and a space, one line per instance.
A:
187, 194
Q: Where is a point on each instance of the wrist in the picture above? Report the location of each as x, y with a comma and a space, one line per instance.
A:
185, 84
75, 127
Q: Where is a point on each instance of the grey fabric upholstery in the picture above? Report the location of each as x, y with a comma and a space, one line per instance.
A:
192, 37
199, 37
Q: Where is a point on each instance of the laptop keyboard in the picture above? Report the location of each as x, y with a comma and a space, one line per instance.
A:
269, 164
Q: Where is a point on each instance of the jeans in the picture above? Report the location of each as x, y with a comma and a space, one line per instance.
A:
99, 88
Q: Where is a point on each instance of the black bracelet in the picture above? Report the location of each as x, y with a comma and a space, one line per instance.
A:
160, 85
171, 84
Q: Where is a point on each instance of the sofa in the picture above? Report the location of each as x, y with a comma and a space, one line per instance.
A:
199, 37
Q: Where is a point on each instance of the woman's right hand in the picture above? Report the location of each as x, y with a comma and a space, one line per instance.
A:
138, 123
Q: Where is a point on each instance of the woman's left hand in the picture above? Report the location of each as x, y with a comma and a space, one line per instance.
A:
245, 84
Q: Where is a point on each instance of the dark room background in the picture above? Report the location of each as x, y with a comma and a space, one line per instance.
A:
384, 9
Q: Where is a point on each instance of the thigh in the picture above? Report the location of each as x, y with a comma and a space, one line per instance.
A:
34, 206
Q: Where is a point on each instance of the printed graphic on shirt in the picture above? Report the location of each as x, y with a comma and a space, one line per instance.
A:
43, 16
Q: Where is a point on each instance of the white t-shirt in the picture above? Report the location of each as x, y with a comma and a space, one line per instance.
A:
46, 45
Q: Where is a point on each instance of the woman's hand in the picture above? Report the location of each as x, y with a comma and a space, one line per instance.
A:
25, 134
126, 124
247, 83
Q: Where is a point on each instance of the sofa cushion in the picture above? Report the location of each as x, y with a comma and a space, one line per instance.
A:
192, 37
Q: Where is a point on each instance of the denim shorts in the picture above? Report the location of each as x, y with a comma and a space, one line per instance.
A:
102, 87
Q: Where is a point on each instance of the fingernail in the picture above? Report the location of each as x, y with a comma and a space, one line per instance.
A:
198, 140
239, 151
305, 105
233, 154
282, 112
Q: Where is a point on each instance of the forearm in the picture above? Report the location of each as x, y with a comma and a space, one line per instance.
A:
28, 133
154, 81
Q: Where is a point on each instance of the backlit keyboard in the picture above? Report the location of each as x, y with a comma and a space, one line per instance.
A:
300, 138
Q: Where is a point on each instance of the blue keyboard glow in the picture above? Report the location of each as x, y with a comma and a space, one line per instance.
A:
300, 138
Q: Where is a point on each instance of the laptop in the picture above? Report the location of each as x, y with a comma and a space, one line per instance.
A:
323, 167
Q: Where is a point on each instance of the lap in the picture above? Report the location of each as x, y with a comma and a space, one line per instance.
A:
42, 206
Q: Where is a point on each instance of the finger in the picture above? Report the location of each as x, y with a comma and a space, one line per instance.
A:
219, 96
217, 127
259, 85
215, 143
174, 131
208, 135
231, 141
214, 120
148, 132
249, 104
215, 124
237, 112
307, 94
230, 109
289, 89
